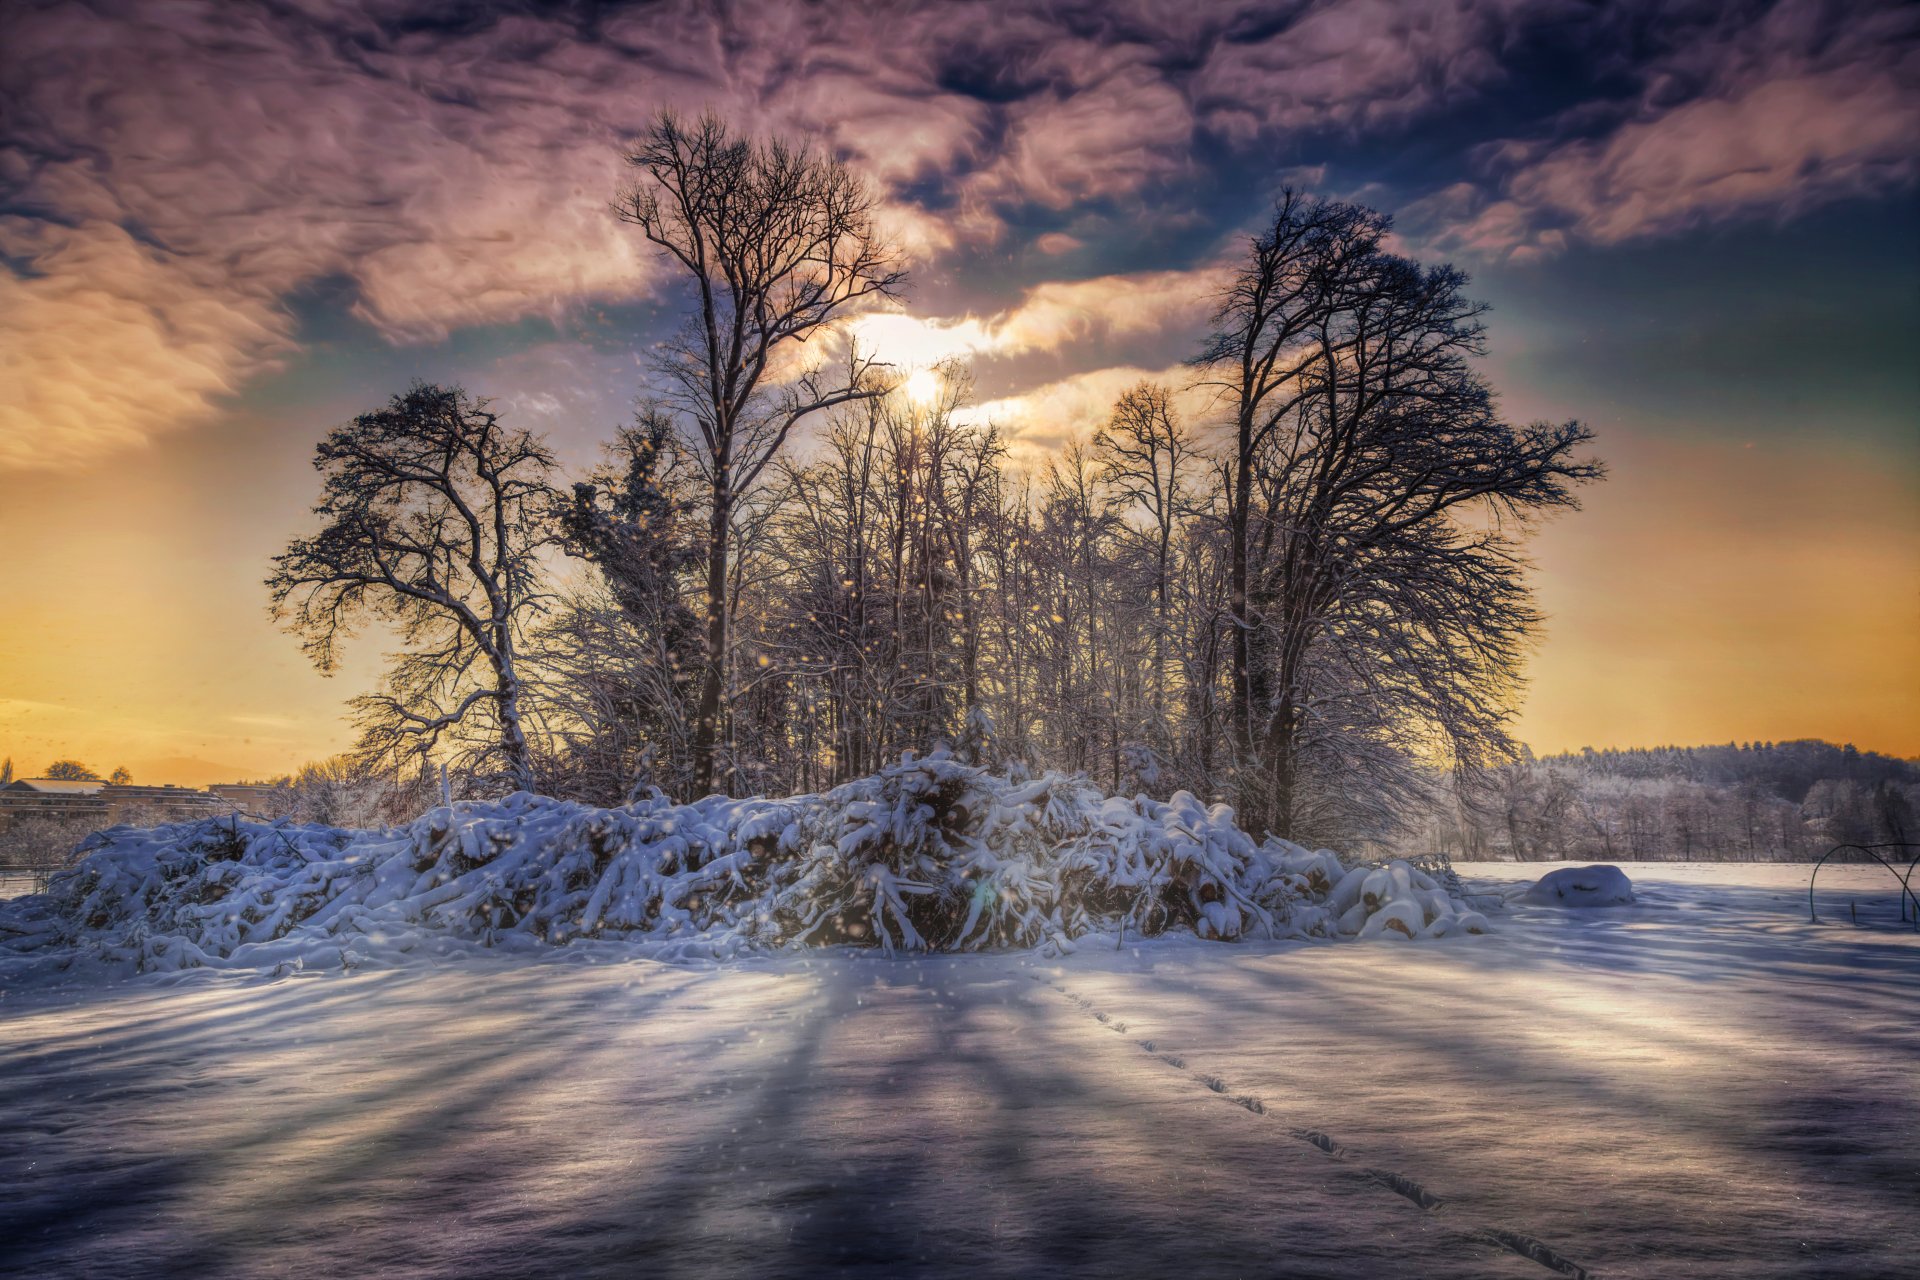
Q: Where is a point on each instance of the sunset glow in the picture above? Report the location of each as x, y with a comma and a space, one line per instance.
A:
939, 638
922, 386
217, 247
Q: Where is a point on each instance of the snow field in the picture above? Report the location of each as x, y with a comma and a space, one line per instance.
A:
829, 1116
1697, 1085
1700, 1085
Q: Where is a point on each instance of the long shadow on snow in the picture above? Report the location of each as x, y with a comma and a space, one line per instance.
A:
90, 1205
1637, 1114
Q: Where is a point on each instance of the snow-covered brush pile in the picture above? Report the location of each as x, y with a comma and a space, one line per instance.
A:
928, 854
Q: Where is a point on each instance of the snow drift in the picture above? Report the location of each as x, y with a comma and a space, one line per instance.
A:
930, 854
1596, 886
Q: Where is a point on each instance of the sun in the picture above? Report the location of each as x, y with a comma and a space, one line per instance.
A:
922, 386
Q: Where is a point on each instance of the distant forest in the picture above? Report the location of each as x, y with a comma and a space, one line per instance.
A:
1772, 801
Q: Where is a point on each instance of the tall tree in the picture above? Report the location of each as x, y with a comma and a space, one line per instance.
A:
1263, 323
1145, 454
775, 242
1377, 506
432, 521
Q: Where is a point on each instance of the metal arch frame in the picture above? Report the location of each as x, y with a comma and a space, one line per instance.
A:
1906, 890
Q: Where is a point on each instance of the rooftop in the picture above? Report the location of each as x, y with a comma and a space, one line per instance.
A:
59, 786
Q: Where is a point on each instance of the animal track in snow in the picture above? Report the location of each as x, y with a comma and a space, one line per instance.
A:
1529, 1248
1320, 1140
1407, 1187
1514, 1242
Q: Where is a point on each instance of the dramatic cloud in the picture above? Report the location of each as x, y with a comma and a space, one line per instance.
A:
1366, 63
104, 343
175, 178
209, 165
1047, 418
1810, 104
1109, 125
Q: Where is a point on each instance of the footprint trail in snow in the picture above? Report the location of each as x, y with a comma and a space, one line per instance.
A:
1515, 1242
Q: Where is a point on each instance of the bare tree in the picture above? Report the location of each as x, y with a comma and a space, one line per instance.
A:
1145, 454
879, 596
1377, 501
432, 522
1263, 325
775, 242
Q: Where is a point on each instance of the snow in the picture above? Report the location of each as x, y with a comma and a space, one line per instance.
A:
1699, 1084
931, 854
1594, 886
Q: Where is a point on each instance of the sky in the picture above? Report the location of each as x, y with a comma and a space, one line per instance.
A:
224, 229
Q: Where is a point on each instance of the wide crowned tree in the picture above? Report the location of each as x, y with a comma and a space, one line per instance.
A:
1376, 506
432, 521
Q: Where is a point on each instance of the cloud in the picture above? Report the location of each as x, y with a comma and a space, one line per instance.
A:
1059, 313
195, 165
106, 342
1050, 317
176, 173
172, 175
1810, 105
1362, 64
1042, 421
1108, 124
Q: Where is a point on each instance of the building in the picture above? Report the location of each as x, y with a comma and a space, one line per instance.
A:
254, 798
160, 804
53, 800
102, 803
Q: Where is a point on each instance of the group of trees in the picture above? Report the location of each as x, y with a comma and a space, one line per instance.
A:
1761, 801
1310, 601
67, 771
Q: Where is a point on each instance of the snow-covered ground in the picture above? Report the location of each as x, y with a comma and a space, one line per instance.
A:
1699, 1085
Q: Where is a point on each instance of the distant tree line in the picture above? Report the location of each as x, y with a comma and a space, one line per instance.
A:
1787, 801
794, 567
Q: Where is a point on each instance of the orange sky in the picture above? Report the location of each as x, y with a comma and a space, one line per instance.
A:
1716, 592
224, 229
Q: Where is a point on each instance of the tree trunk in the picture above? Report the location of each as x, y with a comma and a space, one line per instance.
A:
1284, 770
1162, 623
706, 728
1240, 712
513, 733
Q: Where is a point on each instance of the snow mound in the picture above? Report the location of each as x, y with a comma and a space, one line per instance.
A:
929, 854
1595, 886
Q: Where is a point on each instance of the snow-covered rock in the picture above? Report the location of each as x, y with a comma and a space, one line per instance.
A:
929, 854
1596, 886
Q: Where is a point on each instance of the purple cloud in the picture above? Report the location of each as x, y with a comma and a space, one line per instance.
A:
1810, 104
171, 173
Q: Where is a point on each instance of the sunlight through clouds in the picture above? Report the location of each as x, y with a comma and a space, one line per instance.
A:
1049, 318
